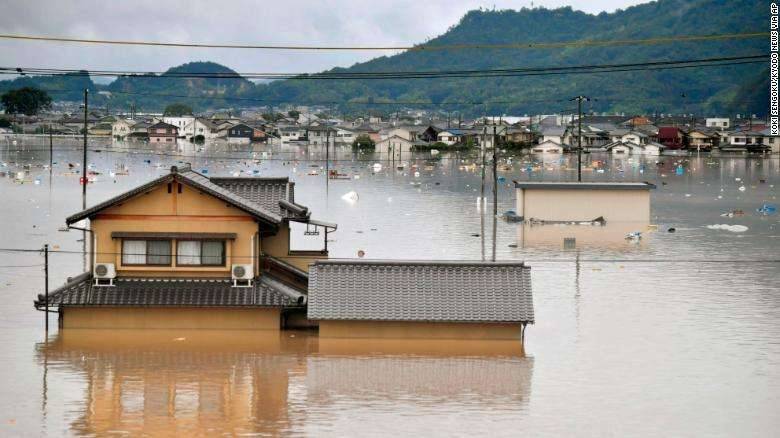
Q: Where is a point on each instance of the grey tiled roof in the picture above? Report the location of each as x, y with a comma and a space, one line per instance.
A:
81, 291
420, 291
267, 192
193, 179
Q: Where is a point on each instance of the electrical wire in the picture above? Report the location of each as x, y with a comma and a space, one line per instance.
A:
512, 72
419, 47
545, 260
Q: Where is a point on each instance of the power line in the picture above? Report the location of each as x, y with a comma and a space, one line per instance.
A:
511, 72
547, 260
420, 47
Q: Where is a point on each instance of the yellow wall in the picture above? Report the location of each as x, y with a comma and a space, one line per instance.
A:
190, 211
584, 205
278, 246
244, 318
418, 330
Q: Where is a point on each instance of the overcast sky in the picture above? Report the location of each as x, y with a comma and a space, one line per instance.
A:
329, 22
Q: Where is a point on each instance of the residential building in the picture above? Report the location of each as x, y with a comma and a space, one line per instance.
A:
162, 132
394, 148
122, 128
432, 300
580, 201
547, 147
671, 137
180, 123
450, 136
240, 133
700, 140
201, 129
721, 123
188, 251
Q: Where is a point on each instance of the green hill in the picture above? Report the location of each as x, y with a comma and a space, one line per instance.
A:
711, 90
707, 90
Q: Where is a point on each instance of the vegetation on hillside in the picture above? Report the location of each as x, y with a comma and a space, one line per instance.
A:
710, 90
27, 100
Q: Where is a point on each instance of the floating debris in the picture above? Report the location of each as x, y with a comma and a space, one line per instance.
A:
726, 227
350, 197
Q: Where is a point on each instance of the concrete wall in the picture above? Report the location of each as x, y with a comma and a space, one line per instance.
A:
418, 330
190, 211
584, 205
226, 318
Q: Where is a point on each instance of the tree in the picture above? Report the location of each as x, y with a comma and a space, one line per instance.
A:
5, 123
363, 141
293, 113
27, 100
177, 110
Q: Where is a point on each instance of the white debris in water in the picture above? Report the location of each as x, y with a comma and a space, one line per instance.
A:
742, 188
351, 197
377, 167
726, 227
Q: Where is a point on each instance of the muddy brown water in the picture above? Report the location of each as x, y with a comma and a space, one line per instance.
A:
673, 335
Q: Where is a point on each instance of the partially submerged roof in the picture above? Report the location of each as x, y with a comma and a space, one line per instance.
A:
273, 194
440, 291
268, 199
81, 291
573, 185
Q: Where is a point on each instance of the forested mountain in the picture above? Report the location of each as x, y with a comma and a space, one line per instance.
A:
710, 90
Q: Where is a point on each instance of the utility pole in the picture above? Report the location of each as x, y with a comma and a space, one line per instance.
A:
495, 174
51, 149
327, 156
84, 161
579, 100
46, 285
495, 190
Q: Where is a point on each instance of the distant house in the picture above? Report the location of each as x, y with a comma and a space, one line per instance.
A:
671, 137
623, 148
122, 128
631, 148
744, 141
450, 136
721, 123
344, 136
394, 148
408, 132
520, 134
771, 141
100, 129
700, 140
162, 132
321, 135
289, 134
548, 147
240, 133
180, 123
201, 129
554, 134
430, 134
636, 137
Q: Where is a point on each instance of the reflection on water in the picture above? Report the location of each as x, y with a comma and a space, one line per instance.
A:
673, 335
159, 382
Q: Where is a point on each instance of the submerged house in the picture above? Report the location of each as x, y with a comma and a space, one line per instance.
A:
420, 299
187, 251
551, 202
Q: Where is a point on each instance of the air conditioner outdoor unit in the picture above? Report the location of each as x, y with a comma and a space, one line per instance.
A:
242, 275
104, 274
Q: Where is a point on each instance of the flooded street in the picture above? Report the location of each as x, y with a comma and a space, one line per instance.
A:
674, 334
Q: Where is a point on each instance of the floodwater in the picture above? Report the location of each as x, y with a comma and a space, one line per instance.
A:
675, 334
